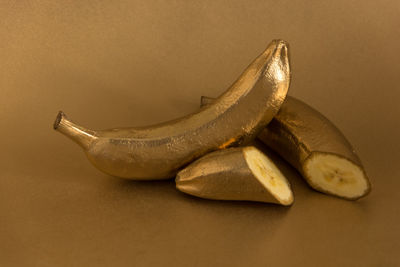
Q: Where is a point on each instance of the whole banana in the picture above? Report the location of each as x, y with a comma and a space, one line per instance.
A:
316, 148
159, 151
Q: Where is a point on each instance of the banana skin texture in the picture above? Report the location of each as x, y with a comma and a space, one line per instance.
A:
240, 173
159, 151
302, 136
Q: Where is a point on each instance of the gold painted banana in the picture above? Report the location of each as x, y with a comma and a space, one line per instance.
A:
240, 173
159, 151
316, 148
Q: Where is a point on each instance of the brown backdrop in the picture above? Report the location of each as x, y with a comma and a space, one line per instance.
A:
132, 63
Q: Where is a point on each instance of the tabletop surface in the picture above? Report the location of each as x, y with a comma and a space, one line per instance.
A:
135, 63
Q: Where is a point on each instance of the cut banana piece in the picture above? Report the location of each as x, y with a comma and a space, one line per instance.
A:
243, 173
316, 148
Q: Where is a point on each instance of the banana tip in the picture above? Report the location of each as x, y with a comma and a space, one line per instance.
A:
59, 117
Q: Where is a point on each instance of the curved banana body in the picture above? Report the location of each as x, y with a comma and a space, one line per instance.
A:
240, 173
316, 148
159, 151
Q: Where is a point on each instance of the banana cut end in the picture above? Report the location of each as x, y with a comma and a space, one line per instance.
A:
269, 175
336, 175
59, 117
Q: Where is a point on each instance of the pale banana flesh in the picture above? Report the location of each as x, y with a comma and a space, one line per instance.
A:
316, 148
336, 175
242, 173
159, 151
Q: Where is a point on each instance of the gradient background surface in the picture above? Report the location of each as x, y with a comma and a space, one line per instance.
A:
133, 63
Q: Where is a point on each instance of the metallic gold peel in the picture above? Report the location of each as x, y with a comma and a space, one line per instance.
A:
316, 148
243, 173
159, 151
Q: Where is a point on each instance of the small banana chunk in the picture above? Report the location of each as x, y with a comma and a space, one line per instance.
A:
242, 173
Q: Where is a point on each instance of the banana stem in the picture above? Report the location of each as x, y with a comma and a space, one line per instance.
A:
78, 134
